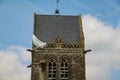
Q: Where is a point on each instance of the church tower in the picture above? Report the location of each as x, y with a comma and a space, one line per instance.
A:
58, 48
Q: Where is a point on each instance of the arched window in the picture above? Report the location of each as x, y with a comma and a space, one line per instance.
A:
52, 70
64, 70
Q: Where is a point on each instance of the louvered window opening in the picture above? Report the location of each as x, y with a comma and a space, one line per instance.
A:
64, 71
52, 71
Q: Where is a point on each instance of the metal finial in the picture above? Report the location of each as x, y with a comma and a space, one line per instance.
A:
57, 10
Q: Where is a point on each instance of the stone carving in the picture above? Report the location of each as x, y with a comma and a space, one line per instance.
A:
59, 43
78, 58
53, 57
58, 39
64, 58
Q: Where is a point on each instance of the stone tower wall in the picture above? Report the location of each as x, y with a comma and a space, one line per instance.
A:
75, 59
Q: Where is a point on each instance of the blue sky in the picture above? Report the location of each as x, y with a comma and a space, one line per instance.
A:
99, 16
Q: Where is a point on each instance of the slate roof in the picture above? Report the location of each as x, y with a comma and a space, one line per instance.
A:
47, 27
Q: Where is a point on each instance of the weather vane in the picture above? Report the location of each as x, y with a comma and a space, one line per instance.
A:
57, 10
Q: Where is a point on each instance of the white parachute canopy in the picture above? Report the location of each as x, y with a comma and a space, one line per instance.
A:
38, 43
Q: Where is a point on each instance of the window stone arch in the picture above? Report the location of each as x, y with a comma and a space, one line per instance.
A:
65, 57
52, 67
64, 67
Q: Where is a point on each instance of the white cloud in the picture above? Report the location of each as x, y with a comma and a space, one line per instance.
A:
104, 40
13, 63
